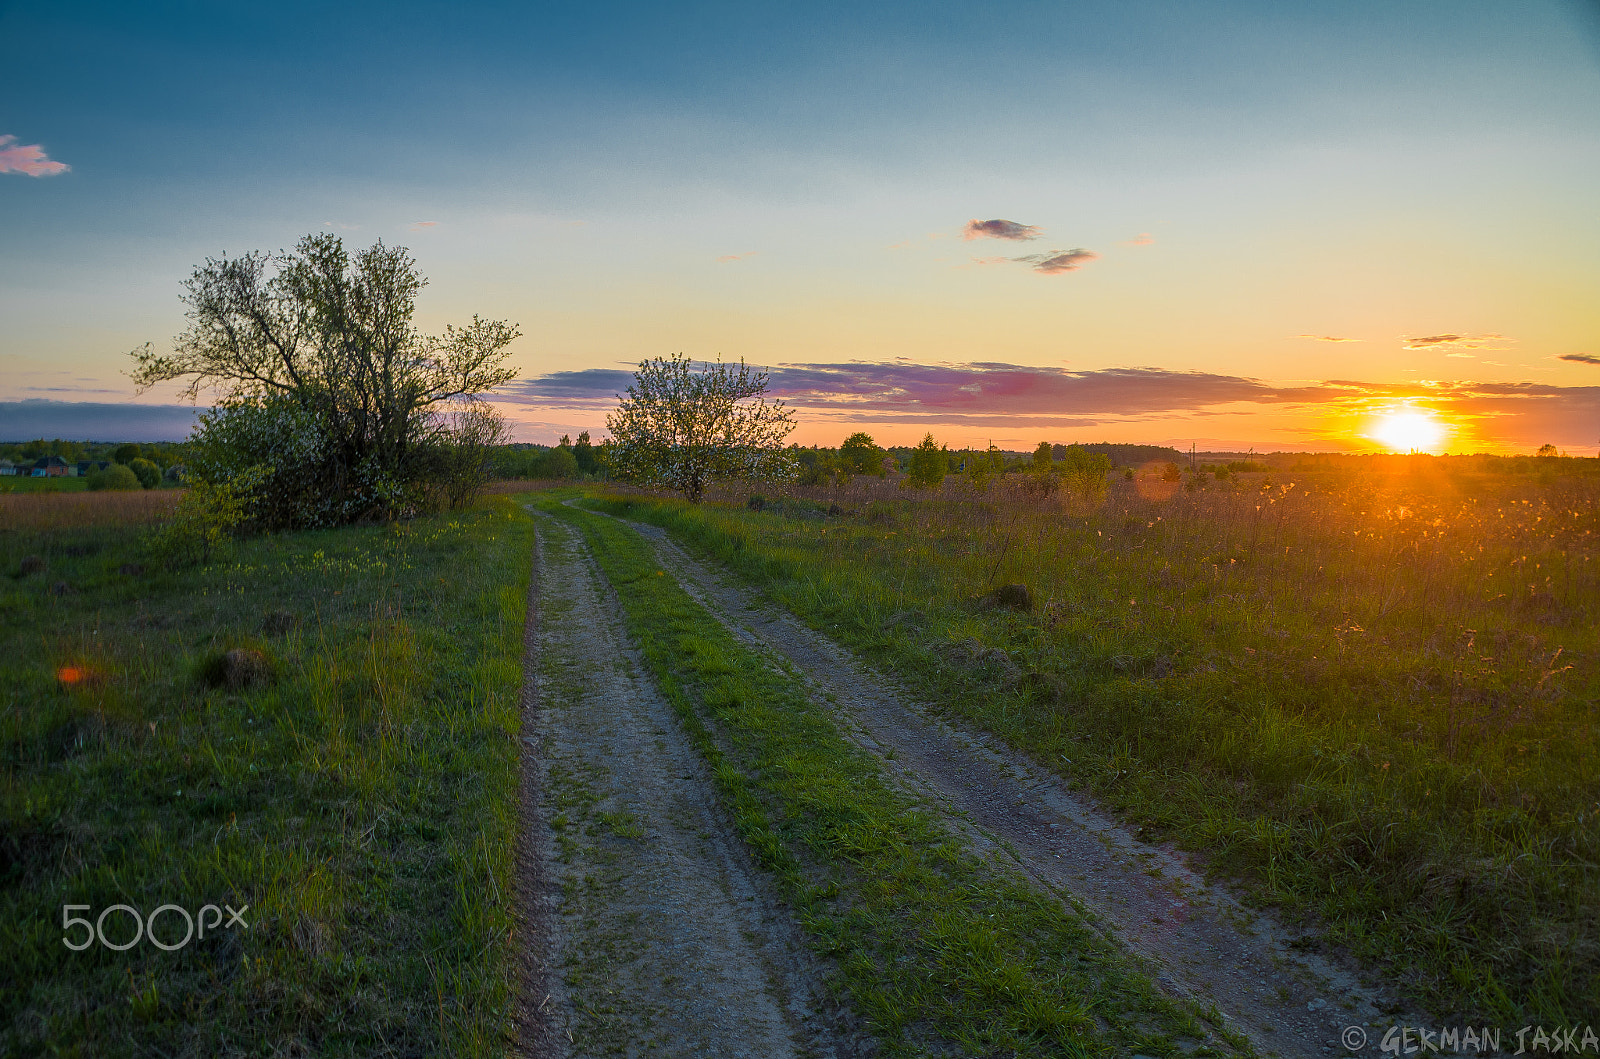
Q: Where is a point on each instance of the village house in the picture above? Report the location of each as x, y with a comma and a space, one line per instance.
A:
53, 467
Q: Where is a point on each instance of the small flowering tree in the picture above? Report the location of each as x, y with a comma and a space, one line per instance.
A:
684, 429
327, 389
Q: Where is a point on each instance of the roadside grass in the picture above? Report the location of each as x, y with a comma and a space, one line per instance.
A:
1372, 699
361, 800
937, 949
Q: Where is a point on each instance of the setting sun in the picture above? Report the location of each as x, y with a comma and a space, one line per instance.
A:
1410, 431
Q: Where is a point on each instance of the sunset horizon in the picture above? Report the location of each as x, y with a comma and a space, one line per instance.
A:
1228, 226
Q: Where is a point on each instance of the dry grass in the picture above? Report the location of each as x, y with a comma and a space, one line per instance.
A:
47, 511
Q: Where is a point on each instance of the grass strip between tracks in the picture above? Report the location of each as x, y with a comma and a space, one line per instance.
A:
934, 946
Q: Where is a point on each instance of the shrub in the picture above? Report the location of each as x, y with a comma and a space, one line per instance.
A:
117, 476
149, 474
207, 517
927, 465
559, 462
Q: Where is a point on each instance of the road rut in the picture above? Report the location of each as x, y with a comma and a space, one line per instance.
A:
1197, 940
653, 932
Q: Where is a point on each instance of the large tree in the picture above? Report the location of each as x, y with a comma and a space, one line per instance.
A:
684, 428
317, 363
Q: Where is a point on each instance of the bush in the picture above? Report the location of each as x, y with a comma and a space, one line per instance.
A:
207, 517
117, 476
559, 462
149, 474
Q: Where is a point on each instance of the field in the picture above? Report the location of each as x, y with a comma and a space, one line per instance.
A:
1371, 697
354, 785
1363, 694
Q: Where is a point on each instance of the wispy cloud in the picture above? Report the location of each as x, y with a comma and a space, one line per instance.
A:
991, 261
417, 226
997, 395
986, 389
1059, 260
339, 225
737, 257
1327, 338
1455, 342
1579, 358
1142, 239
28, 159
999, 229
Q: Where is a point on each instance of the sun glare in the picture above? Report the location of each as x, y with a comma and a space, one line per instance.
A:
1410, 432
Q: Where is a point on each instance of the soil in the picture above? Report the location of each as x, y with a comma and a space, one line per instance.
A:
648, 929
1198, 940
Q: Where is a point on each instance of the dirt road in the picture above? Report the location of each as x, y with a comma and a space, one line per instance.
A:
652, 931
1195, 938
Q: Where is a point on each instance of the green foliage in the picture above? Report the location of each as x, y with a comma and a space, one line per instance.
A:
116, 476
558, 463
207, 517
149, 474
928, 465
983, 467
126, 453
587, 457
685, 429
861, 455
1042, 457
327, 381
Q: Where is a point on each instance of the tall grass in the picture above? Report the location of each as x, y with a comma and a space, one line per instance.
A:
1371, 697
361, 801
53, 511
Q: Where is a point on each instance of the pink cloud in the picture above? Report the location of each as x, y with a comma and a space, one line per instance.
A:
27, 158
418, 226
1142, 239
990, 260
999, 229
737, 257
1057, 261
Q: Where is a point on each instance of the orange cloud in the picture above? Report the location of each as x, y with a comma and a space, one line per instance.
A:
418, 226
1453, 342
28, 159
1142, 239
737, 257
1327, 338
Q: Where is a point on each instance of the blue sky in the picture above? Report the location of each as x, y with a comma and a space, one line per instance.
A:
789, 183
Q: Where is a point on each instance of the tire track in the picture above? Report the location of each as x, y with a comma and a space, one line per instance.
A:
661, 937
1198, 941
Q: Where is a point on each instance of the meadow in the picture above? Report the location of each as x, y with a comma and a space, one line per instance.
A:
353, 783
1367, 692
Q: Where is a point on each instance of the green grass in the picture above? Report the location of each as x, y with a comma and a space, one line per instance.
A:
362, 804
1353, 694
935, 947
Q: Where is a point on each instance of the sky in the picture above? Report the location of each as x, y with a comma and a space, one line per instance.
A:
1227, 224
